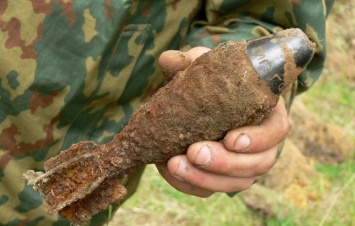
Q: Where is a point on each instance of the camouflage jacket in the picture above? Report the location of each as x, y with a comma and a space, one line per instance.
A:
73, 70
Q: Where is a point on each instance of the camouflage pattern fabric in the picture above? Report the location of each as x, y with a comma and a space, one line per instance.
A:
73, 70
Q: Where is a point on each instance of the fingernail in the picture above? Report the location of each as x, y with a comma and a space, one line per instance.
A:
180, 170
203, 156
242, 142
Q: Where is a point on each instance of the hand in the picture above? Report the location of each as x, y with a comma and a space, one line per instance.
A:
232, 164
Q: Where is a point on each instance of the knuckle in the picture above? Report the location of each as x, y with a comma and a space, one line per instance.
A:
228, 140
204, 194
197, 191
266, 165
228, 168
193, 147
221, 161
284, 128
247, 183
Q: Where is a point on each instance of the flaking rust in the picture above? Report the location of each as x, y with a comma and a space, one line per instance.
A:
234, 85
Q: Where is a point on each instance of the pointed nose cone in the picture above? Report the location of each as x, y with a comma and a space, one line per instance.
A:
281, 57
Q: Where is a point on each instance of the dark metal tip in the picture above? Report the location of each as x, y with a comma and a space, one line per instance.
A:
280, 55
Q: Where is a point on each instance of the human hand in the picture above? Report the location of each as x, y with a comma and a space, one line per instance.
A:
232, 164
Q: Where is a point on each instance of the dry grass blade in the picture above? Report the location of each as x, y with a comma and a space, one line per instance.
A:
331, 206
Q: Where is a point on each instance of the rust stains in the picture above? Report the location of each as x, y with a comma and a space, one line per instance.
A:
149, 93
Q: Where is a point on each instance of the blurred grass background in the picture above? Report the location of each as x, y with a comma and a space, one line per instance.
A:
332, 98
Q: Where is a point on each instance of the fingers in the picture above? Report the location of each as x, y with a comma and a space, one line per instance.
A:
208, 167
251, 139
188, 178
178, 184
172, 61
197, 51
212, 157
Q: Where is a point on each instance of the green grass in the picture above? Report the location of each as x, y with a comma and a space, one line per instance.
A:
335, 205
157, 203
338, 195
333, 98
333, 173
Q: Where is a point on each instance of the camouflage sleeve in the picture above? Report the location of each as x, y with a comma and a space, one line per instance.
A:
73, 71
242, 20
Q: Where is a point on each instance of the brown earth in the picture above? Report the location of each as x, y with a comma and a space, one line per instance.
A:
325, 143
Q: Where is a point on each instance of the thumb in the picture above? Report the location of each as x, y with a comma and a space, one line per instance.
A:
173, 61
